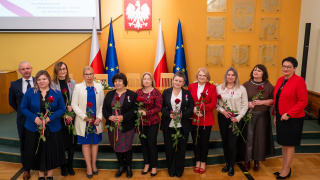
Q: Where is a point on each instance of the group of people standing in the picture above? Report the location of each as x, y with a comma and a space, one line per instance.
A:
183, 111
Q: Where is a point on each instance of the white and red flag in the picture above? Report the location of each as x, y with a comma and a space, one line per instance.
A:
160, 65
95, 53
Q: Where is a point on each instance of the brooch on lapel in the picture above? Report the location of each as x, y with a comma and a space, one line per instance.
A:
207, 92
70, 86
186, 97
95, 90
232, 93
149, 95
128, 97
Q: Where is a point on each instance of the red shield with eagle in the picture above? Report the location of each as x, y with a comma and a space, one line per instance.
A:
137, 14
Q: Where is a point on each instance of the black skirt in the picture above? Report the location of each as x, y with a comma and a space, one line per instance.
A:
50, 154
289, 132
69, 140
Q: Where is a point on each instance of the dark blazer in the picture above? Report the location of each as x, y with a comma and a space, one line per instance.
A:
15, 98
186, 108
127, 109
30, 106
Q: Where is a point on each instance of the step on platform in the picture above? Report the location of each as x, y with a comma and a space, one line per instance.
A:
10, 151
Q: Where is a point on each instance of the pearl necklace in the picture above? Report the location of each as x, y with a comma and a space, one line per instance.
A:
259, 84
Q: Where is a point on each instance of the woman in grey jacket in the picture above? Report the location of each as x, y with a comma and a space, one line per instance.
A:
62, 82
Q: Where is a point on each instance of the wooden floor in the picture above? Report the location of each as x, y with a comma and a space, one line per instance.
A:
304, 167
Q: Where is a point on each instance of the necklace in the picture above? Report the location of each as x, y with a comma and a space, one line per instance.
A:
259, 84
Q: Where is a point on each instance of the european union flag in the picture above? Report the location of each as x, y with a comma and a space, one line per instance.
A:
179, 58
112, 66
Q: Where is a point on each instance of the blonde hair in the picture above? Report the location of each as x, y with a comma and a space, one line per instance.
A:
205, 70
152, 79
87, 68
236, 82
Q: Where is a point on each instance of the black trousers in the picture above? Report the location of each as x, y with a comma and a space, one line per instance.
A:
175, 159
201, 149
22, 132
125, 158
149, 145
229, 140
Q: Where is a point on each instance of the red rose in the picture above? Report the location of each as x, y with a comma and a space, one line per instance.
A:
93, 117
232, 114
177, 101
219, 96
260, 88
171, 112
50, 99
117, 98
203, 95
89, 104
140, 99
64, 91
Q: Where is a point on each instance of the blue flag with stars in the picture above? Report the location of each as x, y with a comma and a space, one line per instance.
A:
179, 57
112, 66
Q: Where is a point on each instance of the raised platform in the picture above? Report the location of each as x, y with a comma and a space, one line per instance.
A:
9, 146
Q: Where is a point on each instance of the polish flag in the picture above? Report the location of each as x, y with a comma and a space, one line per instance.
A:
160, 65
95, 53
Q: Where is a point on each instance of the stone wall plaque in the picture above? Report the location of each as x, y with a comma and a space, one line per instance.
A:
241, 55
267, 55
216, 5
215, 55
243, 12
269, 29
216, 28
270, 5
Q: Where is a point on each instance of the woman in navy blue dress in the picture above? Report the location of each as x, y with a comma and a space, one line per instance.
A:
88, 97
121, 140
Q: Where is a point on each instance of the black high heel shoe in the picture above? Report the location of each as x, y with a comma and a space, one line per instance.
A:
120, 171
280, 177
225, 169
276, 173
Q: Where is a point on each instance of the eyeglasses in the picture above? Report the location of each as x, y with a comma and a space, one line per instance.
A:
64, 69
286, 67
88, 74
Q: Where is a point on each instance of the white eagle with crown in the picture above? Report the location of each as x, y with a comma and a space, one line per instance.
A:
138, 15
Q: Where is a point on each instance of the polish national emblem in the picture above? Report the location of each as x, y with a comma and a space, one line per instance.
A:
138, 14
243, 14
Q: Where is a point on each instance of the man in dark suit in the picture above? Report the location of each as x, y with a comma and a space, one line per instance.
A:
16, 92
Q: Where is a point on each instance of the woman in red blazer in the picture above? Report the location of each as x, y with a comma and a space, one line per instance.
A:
290, 98
202, 90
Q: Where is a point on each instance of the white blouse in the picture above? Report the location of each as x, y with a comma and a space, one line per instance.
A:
173, 105
237, 100
200, 90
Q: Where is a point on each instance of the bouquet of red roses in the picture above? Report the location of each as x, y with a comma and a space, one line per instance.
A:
69, 116
42, 127
91, 128
117, 125
140, 118
176, 114
200, 106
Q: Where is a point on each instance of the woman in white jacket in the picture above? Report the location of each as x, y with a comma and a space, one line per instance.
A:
87, 101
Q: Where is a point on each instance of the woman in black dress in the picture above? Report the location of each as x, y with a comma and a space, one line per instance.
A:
62, 82
175, 155
39, 154
291, 97
121, 138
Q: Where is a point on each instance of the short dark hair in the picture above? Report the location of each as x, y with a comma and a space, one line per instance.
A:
122, 77
265, 75
180, 74
293, 61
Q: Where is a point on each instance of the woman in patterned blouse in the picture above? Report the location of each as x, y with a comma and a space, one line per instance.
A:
152, 103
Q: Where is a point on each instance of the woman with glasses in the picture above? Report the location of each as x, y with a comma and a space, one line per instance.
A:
62, 82
87, 100
290, 98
